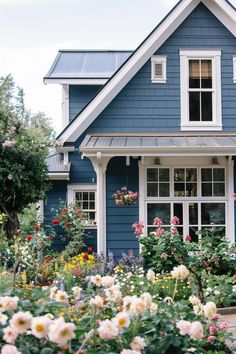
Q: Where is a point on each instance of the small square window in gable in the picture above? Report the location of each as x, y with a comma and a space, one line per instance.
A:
158, 69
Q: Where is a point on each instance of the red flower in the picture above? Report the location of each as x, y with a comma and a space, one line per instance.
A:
37, 227
90, 249
47, 259
64, 210
68, 224
51, 238
28, 237
55, 221
85, 256
188, 238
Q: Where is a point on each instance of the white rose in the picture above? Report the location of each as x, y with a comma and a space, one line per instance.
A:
209, 309
138, 343
194, 300
184, 327
196, 330
180, 272
151, 275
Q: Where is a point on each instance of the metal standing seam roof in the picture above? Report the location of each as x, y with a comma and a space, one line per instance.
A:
220, 144
86, 64
56, 164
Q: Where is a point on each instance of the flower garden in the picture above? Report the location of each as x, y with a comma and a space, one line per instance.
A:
76, 301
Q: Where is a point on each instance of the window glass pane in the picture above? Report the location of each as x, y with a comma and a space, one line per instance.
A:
191, 189
92, 195
179, 190
152, 174
78, 196
164, 190
164, 174
206, 73
219, 174
206, 174
194, 73
179, 174
193, 213
85, 205
193, 234
91, 205
194, 106
85, 195
214, 213
219, 189
206, 99
205, 214
206, 189
191, 174
162, 210
152, 190
178, 211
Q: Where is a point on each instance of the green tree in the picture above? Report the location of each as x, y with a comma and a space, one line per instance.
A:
24, 142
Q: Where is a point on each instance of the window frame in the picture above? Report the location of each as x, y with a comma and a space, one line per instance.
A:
73, 188
215, 56
158, 59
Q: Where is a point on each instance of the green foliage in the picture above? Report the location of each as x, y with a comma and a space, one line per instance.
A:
24, 144
70, 218
28, 218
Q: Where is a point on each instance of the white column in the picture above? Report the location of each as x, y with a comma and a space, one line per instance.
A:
230, 229
100, 166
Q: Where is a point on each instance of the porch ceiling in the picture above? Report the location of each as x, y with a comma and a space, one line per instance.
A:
193, 144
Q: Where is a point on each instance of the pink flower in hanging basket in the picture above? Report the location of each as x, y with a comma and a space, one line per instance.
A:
125, 197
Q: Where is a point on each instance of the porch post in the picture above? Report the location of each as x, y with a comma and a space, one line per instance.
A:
100, 166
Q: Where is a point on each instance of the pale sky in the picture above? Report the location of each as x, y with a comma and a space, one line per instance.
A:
32, 32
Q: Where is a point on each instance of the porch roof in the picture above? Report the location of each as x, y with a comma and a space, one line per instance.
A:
57, 169
163, 144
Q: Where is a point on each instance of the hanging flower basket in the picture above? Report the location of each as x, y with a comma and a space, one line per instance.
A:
125, 197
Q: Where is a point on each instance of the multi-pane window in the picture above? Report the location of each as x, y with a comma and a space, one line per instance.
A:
158, 182
200, 87
200, 90
196, 195
87, 202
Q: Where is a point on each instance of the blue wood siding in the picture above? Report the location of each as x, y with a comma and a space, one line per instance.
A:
79, 96
120, 235
145, 106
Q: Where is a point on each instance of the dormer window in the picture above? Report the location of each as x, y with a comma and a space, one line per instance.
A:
158, 69
200, 83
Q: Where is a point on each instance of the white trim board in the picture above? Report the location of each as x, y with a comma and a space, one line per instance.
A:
85, 81
220, 8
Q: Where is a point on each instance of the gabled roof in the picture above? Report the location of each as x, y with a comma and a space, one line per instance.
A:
77, 65
222, 9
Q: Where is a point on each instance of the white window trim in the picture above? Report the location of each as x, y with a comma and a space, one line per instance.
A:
229, 188
72, 188
157, 59
234, 69
216, 123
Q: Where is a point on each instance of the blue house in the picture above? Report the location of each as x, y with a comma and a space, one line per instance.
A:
160, 120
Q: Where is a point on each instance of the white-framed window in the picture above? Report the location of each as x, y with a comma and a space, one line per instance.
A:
85, 196
158, 69
234, 69
197, 195
200, 87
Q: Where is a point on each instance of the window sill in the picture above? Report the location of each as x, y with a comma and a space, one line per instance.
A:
156, 81
93, 227
194, 127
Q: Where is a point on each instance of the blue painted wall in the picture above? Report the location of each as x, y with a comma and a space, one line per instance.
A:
79, 96
120, 235
145, 106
